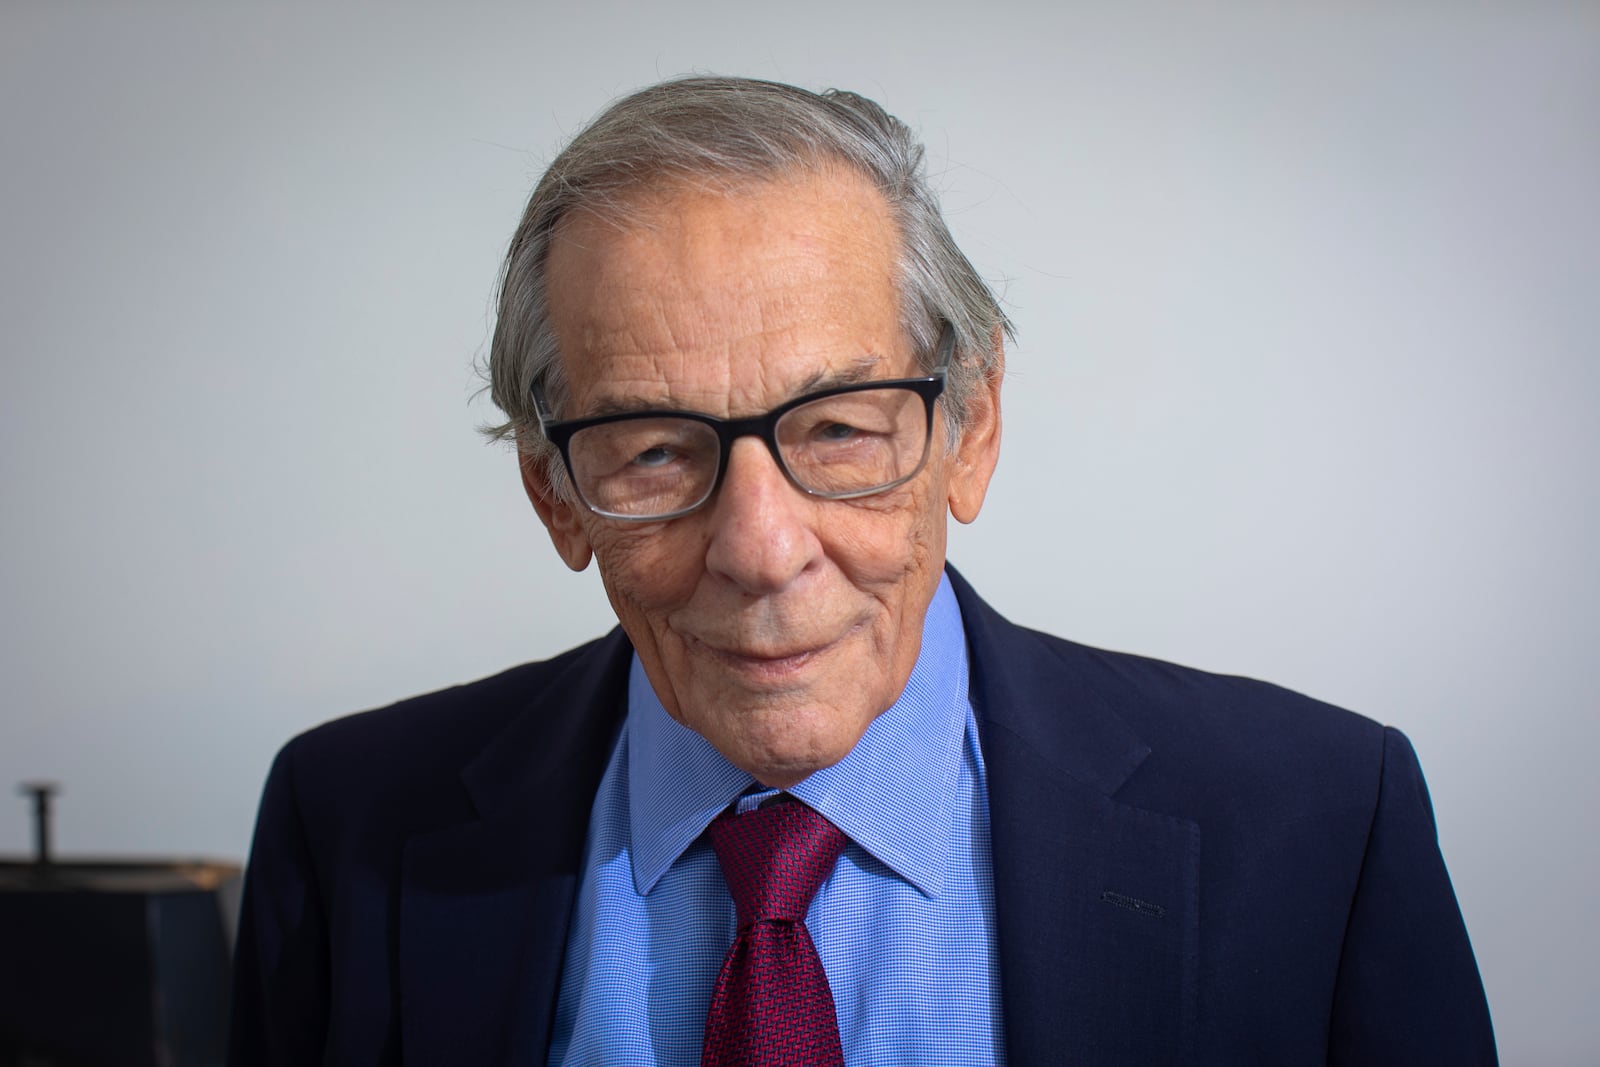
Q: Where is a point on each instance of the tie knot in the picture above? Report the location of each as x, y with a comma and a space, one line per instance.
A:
774, 859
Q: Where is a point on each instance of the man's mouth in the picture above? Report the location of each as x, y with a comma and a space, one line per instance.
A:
759, 662
763, 661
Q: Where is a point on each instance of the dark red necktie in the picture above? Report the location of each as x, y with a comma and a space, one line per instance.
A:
771, 1006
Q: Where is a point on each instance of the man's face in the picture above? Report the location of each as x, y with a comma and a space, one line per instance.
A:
774, 624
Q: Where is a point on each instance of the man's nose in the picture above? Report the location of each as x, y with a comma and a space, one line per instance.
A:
761, 537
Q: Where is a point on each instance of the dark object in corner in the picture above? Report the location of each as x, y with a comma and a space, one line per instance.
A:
111, 962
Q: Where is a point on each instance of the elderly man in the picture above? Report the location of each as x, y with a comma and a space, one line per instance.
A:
815, 802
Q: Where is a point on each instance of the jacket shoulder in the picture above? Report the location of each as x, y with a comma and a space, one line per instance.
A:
1257, 744
410, 754
1199, 705
1176, 738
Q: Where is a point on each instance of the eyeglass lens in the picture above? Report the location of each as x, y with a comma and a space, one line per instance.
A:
834, 446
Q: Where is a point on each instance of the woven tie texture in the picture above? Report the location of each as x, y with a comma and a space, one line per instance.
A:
771, 1006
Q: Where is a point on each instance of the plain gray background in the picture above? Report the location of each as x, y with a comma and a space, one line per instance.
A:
1309, 312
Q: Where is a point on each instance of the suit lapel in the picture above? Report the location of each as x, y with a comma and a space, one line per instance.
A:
1096, 899
485, 904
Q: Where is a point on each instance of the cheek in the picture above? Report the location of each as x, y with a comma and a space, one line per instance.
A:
895, 553
646, 569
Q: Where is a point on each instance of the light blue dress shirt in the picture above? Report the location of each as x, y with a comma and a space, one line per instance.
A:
904, 925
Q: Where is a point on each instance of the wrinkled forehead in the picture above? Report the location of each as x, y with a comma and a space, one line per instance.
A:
727, 299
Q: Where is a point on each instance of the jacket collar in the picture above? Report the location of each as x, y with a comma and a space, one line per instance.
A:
1022, 686
1096, 900
485, 904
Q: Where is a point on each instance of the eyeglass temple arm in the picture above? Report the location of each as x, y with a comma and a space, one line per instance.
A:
947, 349
541, 409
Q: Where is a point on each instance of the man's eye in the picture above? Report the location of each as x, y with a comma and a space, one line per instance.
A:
834, 432
659, 456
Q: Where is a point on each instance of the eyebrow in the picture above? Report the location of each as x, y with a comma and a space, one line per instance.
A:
853, 373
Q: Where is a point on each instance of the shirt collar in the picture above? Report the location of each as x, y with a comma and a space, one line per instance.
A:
893, 794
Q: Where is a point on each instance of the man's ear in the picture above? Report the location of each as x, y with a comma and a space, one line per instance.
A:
560, 517
973, 463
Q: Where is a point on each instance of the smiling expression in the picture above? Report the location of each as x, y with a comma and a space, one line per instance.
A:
776, 625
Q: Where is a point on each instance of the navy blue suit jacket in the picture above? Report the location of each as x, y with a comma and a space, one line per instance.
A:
1189, 869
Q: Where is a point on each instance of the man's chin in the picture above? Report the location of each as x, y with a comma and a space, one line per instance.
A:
785, 737
781, 767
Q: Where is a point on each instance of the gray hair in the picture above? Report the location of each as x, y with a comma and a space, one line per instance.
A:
700, 129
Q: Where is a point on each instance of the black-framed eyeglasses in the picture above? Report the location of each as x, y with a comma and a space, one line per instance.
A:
840, 443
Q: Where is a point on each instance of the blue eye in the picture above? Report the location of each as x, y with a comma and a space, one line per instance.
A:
835, 431
654, 457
